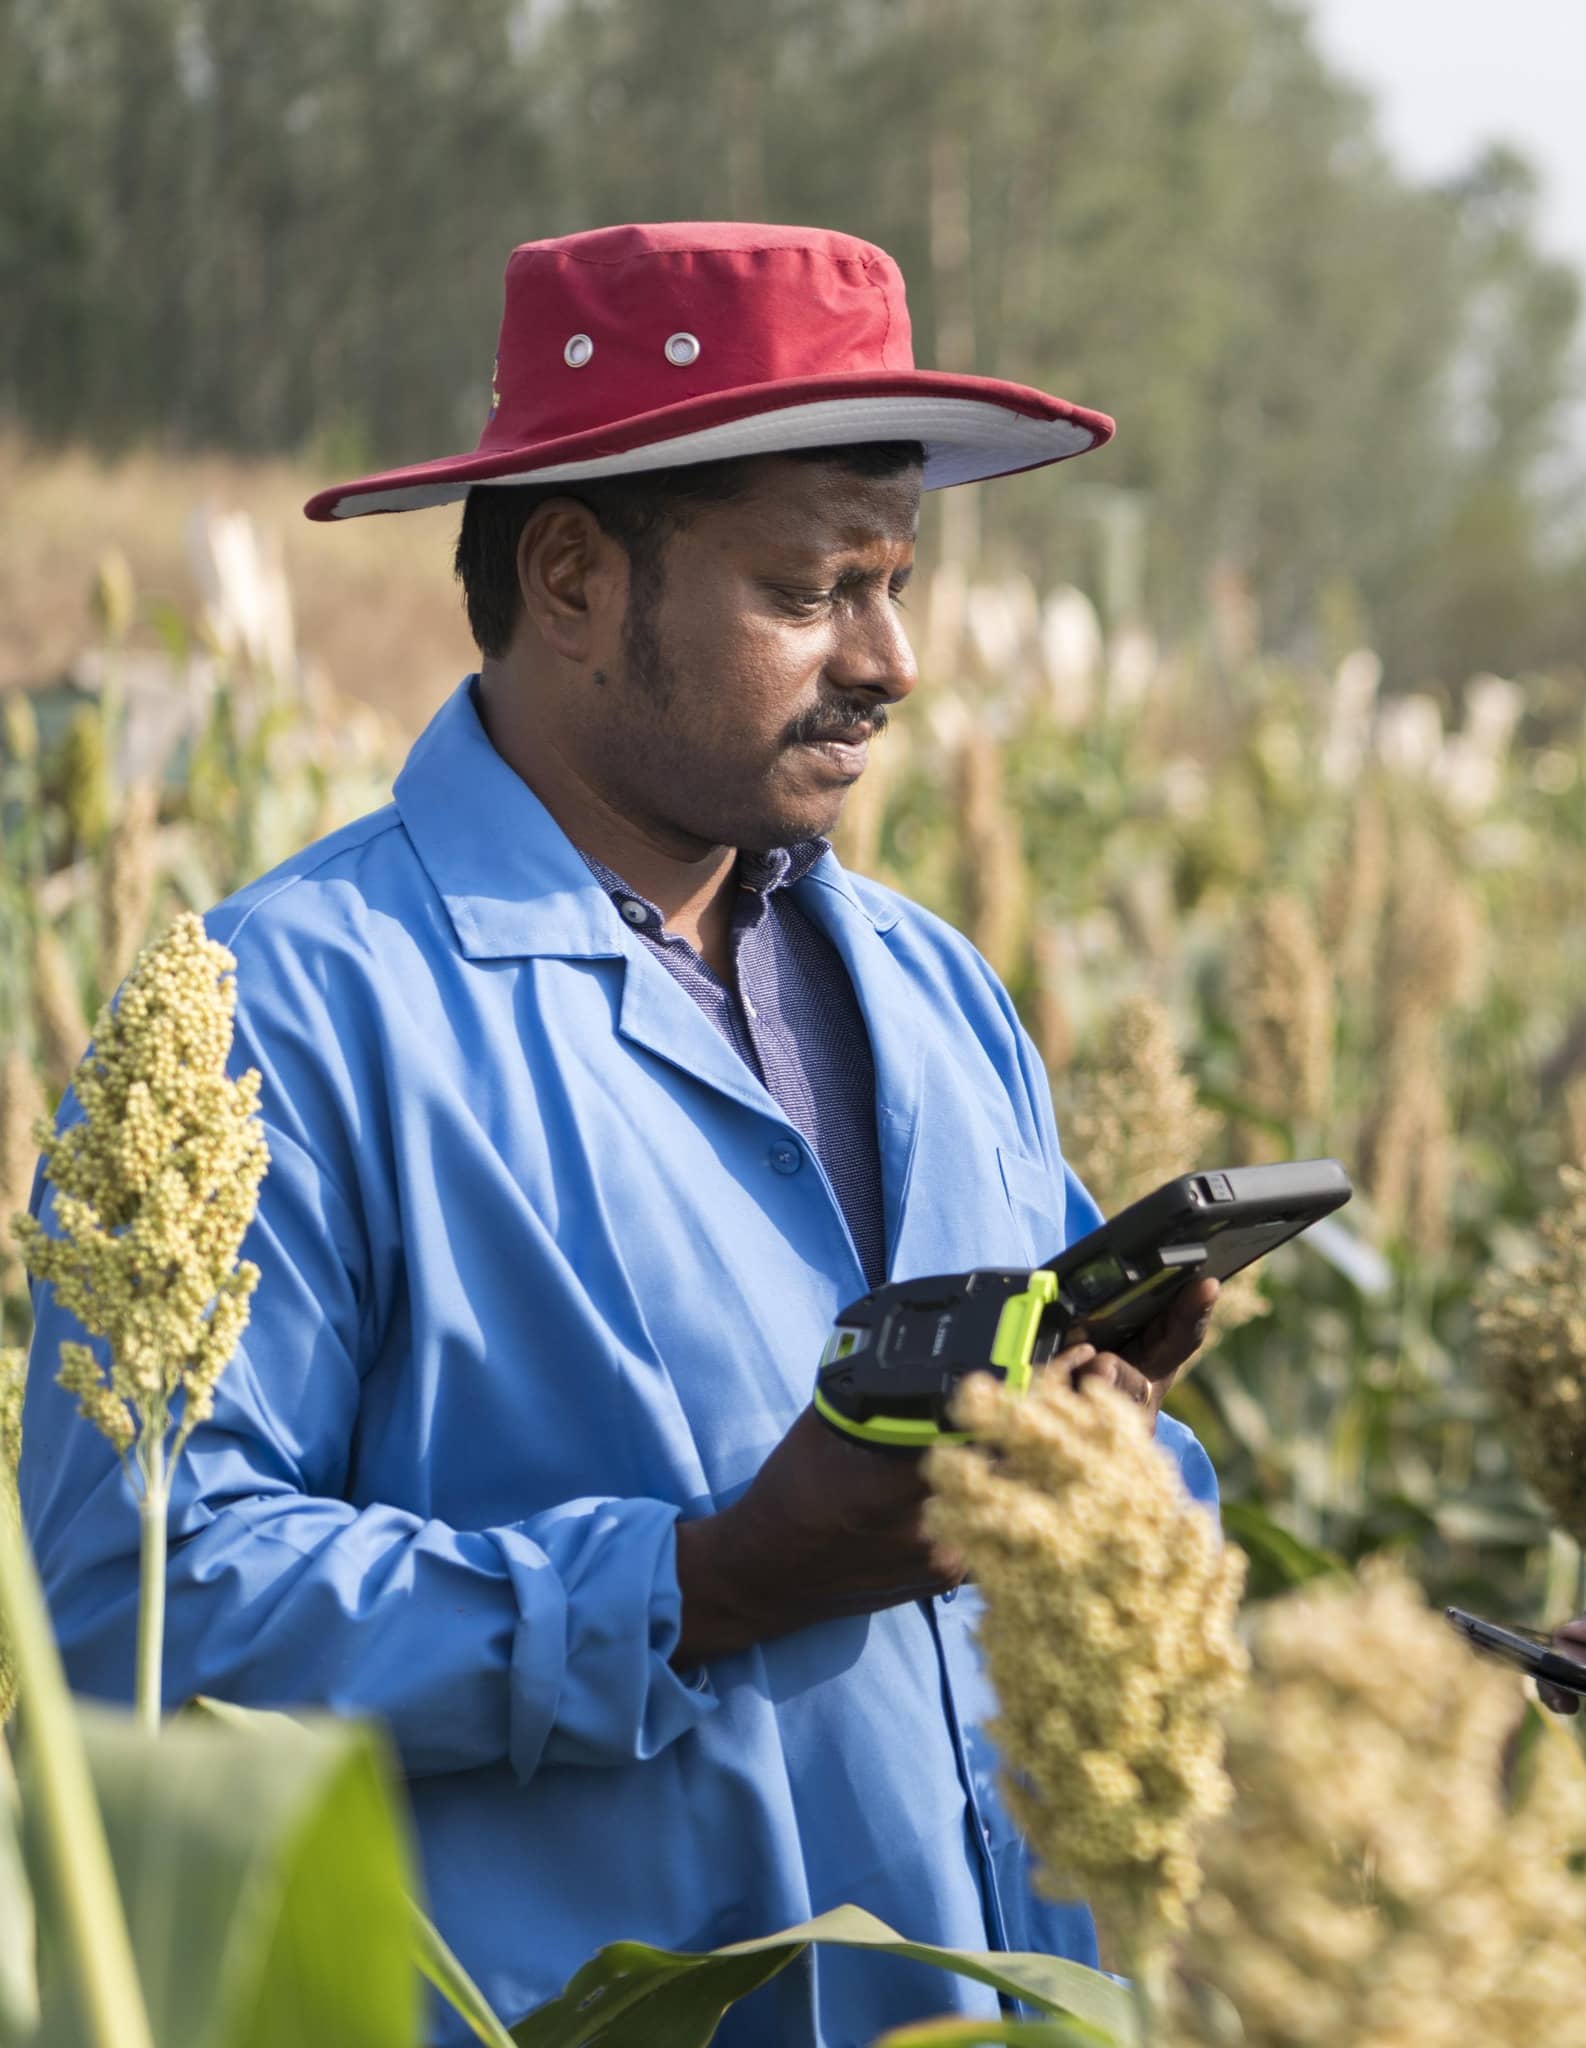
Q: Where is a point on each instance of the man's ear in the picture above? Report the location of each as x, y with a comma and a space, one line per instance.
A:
572, 579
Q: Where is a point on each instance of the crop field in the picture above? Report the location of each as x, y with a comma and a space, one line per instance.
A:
1249, 909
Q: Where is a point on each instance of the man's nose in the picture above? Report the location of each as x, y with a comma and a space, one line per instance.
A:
873, 652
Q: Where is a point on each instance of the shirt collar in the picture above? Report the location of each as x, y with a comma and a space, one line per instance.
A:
762, 874
781, 866
513, 883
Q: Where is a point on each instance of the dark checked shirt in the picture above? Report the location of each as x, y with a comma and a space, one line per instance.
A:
793, 1019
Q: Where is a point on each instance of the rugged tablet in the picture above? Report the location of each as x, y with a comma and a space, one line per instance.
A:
1122, 1276
895, 1356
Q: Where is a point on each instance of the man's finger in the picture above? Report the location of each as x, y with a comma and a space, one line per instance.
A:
1179, 1331
1202, 1298
1191, 1315
1113, 1371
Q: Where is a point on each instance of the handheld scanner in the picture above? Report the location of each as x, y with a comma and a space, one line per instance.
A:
895, 1357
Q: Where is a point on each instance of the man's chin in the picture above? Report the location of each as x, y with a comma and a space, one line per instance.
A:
792, 808
791, 828
807, 809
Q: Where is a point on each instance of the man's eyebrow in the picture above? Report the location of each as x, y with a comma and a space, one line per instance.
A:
856, 574
849, 579
815, 558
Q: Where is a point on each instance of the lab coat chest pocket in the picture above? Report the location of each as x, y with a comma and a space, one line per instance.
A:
1036, 1200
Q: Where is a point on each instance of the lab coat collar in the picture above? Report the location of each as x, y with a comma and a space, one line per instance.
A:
513, 883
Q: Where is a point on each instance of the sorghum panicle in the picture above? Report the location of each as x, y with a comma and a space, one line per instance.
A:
128, 877
1131, 1120
58, 1007
1371, 1884
1531, 1343
1281, 995
996, 877
21, 1107
13, 1379
155, 1187
1109, 1636
1356, 893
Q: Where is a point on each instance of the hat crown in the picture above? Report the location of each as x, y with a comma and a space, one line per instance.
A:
630, 349
597, 326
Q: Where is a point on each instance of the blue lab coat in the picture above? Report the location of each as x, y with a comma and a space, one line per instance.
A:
545, 1268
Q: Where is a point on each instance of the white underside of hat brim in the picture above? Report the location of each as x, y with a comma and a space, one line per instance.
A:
965, 440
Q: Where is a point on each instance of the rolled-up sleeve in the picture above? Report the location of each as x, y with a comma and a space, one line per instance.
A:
610, 1567
543, 1640
546, 1640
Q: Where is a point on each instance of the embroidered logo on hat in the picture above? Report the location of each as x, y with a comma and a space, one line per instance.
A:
696, 341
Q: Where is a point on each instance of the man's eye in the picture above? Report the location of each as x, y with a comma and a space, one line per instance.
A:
811, 601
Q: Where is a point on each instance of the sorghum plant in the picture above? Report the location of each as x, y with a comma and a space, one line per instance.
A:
1531, 1338
1377, 1880
155, 1186
1109, 1636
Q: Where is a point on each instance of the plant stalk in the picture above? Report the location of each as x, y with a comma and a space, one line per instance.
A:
71, 1831
1144, 2004
1565, 1590
153, 1517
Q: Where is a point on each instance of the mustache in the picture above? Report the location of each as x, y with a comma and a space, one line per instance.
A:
837, 721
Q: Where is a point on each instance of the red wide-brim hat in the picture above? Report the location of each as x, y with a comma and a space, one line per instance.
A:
641, 348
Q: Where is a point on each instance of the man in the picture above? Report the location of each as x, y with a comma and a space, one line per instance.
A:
594, 1089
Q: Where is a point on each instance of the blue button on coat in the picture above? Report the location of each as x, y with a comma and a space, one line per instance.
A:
536, 1283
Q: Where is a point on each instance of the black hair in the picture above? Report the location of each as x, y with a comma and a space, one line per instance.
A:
642, 512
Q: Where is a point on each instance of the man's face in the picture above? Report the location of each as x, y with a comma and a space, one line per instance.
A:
737, 708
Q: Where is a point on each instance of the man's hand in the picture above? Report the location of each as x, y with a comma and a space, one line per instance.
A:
1150, 1363
1569, 1641
829, 1527
832, 1528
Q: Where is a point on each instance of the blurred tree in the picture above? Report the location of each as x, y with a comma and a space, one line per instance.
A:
1485, 591
222, 225
1166, 208
45, 229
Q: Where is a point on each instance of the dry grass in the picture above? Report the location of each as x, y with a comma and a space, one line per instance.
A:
376, 604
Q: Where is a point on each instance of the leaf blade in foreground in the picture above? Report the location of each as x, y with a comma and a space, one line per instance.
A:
959, 2033
628, 1992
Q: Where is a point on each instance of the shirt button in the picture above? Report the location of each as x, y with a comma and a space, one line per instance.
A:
634, 912
786, 1158
950, 1594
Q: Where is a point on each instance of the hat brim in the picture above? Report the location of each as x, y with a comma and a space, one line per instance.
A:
971, 428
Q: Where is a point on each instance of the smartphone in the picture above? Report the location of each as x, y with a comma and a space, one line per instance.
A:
1528, 1649
1123, 1275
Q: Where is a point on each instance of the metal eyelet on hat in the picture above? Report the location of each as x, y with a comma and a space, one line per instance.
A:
578, 351
682, 349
